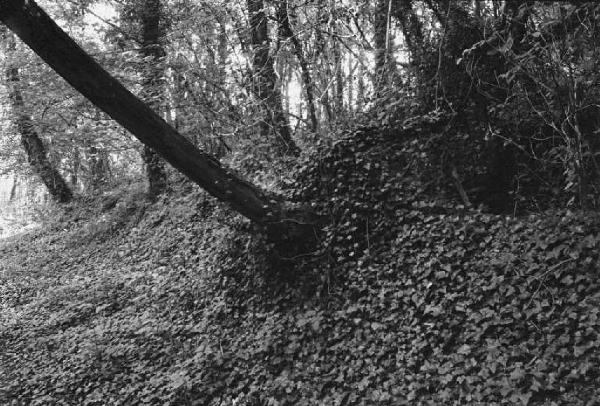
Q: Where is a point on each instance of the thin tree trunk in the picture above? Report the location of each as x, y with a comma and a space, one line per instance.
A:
360, 91
339, 78
380, 42
30, 139
325, 76
265, 81
412, 29
440, 9
350, 85
286, 31
477, 10
153, 52
495, 8
55, 47
325, 98
98, 167
13, 189
75, 165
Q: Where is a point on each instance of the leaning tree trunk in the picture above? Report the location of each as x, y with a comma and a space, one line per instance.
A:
153, 52
30, 140
55, 47
265, 81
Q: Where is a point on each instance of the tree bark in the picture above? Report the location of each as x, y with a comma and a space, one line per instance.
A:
412, 29
55, 47
265, 81
30, 139
13, 189
75, 165
439, 10
153, 51
339, 78
361, 87
285, 31
322, 52
97, 159
380, 40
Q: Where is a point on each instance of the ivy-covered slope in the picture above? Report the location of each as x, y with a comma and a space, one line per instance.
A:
407, 300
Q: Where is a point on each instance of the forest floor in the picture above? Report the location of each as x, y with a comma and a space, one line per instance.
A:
119, 302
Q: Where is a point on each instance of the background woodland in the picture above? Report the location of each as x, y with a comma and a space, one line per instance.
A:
256, 83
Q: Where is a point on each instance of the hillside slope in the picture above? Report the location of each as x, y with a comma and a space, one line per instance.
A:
407, 301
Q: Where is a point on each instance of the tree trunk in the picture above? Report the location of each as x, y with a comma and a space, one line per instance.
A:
439, 9
381, 41
412, 29
339, 78
30, 140
97, 159
285, 31
477, 10
153, 51
350, 85
13, 189
75, 165
322, 52
265, 81
360, 91
55, 47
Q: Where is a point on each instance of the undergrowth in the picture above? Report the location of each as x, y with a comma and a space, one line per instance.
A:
409, 300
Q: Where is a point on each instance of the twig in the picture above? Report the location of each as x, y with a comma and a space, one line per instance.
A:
459, 187
543, 276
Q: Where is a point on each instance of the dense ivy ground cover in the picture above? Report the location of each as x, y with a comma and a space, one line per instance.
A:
407, 300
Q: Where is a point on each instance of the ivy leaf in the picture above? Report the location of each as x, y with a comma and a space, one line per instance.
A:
464, 349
